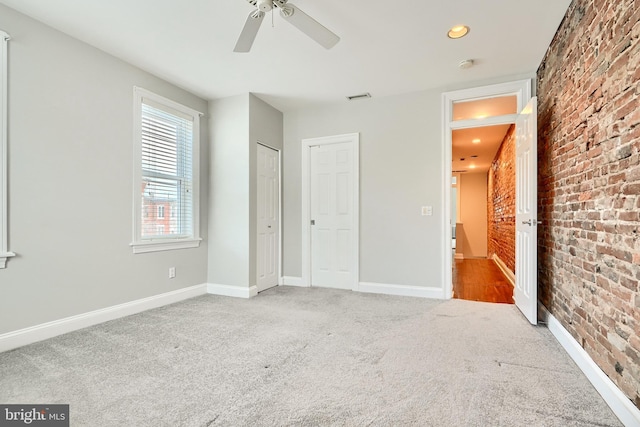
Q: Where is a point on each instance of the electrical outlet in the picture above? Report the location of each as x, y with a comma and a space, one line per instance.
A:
172, 272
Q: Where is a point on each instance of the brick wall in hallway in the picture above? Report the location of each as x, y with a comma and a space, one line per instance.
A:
501, 203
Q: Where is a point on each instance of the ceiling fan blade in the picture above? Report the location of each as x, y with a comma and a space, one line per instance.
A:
249, 32
309, 26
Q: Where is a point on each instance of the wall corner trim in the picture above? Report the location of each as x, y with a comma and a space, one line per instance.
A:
621, 406
401, 290
52, 329
232, 291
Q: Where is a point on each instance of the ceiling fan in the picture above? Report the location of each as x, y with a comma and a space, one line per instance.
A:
290, 13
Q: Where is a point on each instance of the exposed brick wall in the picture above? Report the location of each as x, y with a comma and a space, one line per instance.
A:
589, 183
501, 206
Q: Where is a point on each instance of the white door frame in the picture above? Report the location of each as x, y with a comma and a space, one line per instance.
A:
354, 139
279, 264
522, 90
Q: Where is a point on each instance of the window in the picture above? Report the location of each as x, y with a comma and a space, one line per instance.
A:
486, 107
166, 176
4, 176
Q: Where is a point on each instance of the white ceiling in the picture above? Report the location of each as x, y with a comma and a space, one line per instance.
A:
473, 157
386, 47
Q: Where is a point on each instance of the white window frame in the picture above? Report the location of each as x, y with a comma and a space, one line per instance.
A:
140, 245
4, 175
160, 211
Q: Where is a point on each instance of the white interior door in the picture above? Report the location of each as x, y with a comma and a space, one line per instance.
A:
332, 210
268, 207
526, 291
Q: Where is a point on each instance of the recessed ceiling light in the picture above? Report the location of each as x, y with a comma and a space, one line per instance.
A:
458, 31
476, 141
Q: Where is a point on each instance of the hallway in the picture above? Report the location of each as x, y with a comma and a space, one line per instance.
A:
481, 280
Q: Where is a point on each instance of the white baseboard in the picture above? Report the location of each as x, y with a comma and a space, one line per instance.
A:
505, 270
292, 281
402, 290
458, 256
232, 291
47, 330
379, 288
617, 401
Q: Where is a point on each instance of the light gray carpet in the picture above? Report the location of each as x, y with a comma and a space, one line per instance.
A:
309, 357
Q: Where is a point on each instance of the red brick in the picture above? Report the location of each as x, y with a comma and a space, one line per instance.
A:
631, 189
501, 202
628, 216
588, 87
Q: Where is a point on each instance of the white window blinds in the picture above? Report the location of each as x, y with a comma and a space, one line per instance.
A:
166, 176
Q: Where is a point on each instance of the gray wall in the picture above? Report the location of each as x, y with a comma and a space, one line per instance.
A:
70, 181
400, 171
229, 192
237, 124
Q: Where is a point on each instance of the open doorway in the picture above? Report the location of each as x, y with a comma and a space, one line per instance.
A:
467, 111
483, 165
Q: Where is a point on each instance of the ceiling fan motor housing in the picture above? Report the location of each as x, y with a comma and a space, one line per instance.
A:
265, 5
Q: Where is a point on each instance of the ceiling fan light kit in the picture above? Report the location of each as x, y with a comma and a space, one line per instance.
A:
290, 13
286, 12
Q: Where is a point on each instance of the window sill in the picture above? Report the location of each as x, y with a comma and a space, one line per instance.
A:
164, 245
4, 256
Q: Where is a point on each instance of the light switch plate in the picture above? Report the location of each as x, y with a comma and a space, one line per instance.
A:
427, 210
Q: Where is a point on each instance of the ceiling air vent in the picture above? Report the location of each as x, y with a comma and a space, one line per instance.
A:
361, 96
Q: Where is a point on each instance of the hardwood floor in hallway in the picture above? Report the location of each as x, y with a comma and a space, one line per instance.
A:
481, 280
